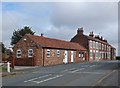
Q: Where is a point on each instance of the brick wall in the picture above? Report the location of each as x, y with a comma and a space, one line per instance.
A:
54, 60
24, 46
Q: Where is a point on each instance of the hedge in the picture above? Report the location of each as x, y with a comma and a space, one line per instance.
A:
117, 57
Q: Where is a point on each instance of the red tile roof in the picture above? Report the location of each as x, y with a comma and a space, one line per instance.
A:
55, 43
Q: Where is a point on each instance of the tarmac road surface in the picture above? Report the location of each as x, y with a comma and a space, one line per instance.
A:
102, 73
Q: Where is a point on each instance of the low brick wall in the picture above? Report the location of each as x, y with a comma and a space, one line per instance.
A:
24, 62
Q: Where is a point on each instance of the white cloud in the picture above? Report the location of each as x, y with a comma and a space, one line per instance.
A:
61, 20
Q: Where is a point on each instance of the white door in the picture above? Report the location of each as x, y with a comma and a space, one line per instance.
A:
65, 57
72, 56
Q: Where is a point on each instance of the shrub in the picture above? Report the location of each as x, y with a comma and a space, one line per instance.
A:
117, 57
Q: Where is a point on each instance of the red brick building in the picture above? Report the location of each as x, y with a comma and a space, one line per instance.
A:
97, 48
34, 50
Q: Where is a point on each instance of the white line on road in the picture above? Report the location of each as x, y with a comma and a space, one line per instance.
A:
91, 72
38, 78
85, 65
100, 80
57, 76
68, 70
92, 65
77, 70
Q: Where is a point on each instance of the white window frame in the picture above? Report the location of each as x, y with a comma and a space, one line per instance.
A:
29, 53
97, 45
82, 54
58, 53
18, 52
48, 52
90, 44
94, 44
91, 54
79, 55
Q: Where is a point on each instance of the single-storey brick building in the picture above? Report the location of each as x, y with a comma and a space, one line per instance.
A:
34, 50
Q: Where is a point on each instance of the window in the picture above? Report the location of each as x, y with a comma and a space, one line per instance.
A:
79, 54
97, 45
90, 44
90, 53
97, 54
58, 53
18, 54
82, 54
104, 47
30, 53
100, 46
93, 44
48, 53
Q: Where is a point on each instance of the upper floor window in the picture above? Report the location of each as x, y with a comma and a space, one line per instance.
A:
90, 44
97, 45
18, 53
58, 53
48, 52
100, 46
30, 53
93, 44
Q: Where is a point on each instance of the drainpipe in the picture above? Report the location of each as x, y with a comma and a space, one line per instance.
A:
43, 56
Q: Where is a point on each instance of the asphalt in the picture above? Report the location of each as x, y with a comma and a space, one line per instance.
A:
102, 73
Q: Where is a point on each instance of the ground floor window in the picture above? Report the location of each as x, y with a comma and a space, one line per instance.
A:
91, 54
48, 52
30, 53
79, 55
82, 54
18, 53
58, 53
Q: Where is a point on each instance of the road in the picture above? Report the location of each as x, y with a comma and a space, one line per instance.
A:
102, 73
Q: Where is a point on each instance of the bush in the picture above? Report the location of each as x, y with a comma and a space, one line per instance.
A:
117, 57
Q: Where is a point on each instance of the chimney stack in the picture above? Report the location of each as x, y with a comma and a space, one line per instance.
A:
91, 34
101, 38
80, 31
97, 36
42, 34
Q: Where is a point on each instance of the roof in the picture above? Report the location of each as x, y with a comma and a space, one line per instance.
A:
98, 40
95, 39
55, 43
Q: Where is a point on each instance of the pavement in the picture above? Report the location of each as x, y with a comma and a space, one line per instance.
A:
102, 73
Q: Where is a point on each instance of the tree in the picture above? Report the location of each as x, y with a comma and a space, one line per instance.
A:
3, 48
17, 35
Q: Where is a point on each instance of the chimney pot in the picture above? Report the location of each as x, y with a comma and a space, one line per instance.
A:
80, 31
42, 34
91, 34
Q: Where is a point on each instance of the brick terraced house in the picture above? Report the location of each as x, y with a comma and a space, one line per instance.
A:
34, 50
97, 47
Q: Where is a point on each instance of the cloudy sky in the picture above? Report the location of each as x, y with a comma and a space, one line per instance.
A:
61, 19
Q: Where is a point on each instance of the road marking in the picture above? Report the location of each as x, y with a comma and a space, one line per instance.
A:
77, 70
92, 66
100, 80
38, 78
85, 65
68, 70
91, 72
57, 76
